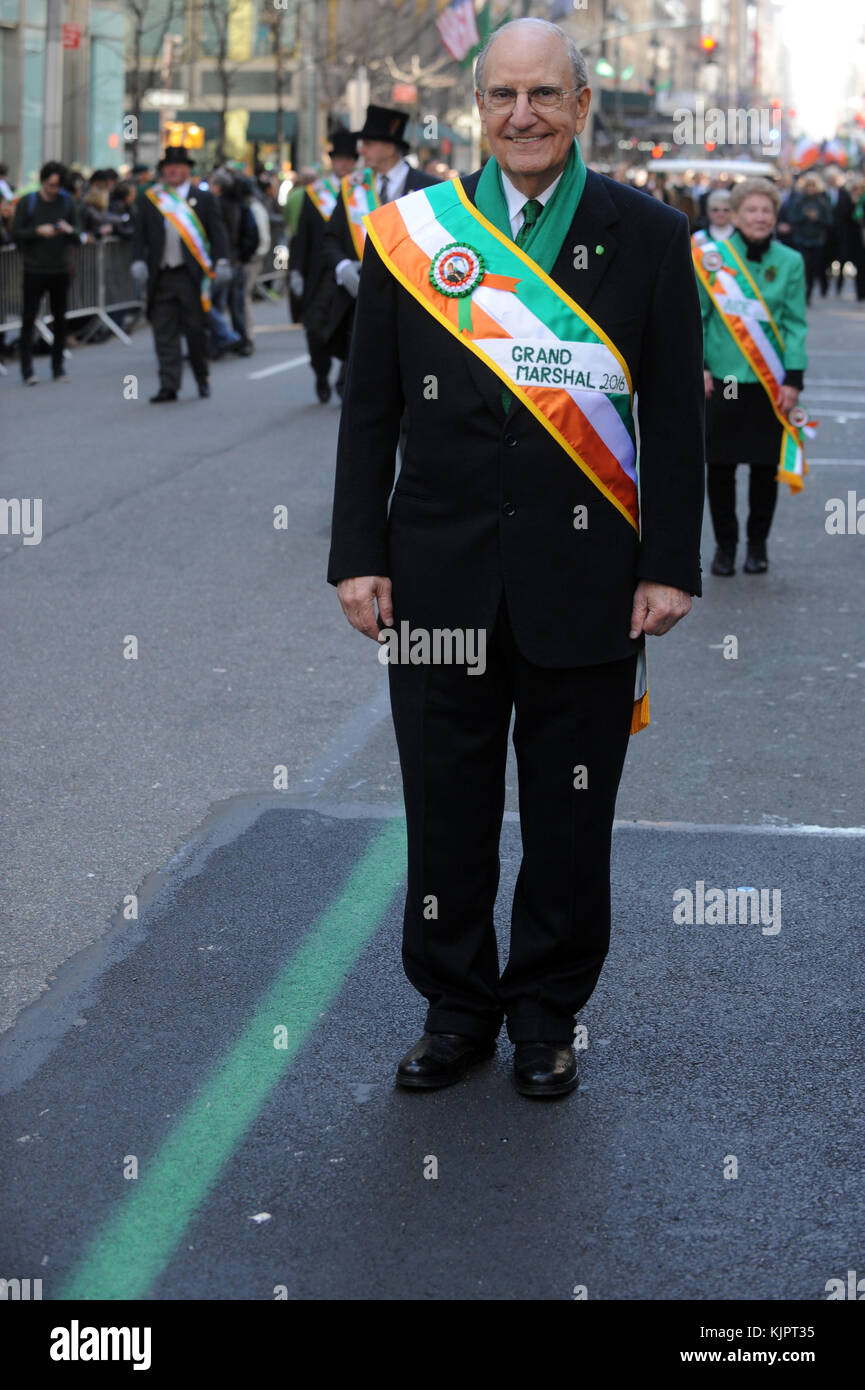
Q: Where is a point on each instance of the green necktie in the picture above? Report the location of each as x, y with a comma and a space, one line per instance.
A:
531, 211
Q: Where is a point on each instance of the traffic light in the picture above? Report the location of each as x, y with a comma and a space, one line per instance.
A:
708, 44
185, 133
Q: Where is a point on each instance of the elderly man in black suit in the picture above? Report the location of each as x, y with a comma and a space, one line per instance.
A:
179, 249
516, 325
310, 278
387, 175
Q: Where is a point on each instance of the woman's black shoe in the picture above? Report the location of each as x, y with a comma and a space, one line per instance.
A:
723, 562
756, 562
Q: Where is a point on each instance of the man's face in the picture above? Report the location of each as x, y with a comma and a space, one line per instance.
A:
528, 143
175, 174
379, 155
719, 213
342, 164
51, 187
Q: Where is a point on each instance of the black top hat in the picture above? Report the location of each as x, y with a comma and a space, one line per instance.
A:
176, 154
343, 142
384, 123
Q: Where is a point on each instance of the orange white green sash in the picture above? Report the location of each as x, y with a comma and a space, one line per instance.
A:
324, 193
744, 312
482, 288
359, 198
181, 216
505, 309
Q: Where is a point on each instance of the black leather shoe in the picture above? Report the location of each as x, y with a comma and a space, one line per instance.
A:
204, 389
439, 1059
545, 1068
756, 562
163, 395
724, 562
322, 390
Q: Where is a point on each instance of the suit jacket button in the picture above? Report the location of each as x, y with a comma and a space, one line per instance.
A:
510, 440
508, 508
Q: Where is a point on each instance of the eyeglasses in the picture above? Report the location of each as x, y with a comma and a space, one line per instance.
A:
501, 99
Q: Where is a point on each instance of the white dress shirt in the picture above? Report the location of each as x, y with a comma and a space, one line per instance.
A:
516, 201
396, 178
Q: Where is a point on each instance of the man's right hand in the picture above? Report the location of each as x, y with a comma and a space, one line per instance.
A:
45, 229
139, 273
707, 381
358, 596
348, 275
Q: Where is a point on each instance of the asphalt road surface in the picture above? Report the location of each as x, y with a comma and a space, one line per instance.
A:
202, 998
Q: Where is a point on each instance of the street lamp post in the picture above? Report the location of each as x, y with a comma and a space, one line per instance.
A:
53, 109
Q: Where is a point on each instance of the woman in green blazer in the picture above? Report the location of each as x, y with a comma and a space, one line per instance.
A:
741, 426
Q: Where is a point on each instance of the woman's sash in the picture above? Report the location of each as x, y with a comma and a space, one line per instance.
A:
745, 313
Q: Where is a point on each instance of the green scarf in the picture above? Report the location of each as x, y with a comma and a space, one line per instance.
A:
544, 241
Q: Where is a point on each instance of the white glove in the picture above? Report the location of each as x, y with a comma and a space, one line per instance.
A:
295, 280
348, 275
223, 275
139, 272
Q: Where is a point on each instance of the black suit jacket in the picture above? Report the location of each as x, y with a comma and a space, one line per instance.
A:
306, 253
484, 503
338, 246
148, 240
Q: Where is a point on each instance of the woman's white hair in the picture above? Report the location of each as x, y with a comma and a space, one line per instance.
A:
578, 62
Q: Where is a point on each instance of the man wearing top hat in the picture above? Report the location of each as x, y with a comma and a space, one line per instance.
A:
387, 175
179, 251
311, 283
528, 330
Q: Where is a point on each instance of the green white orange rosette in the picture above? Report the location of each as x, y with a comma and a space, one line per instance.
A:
457, 270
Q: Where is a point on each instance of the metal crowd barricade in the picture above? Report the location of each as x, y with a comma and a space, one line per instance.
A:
269, 282
101, 285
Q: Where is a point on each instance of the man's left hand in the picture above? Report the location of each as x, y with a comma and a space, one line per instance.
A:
789, 397
657, 608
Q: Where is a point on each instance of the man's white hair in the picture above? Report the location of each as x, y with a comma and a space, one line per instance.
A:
578, 62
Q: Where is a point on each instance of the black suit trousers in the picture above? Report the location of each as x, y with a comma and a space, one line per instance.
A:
452, 732
175, 309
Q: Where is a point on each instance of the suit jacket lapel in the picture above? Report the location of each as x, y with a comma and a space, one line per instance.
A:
591, 245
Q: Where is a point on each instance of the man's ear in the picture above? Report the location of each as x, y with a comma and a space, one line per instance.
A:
479, 101
583, 102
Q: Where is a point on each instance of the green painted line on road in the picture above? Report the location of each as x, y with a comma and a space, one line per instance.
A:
139, 1239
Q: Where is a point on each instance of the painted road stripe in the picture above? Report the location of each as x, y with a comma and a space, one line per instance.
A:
280, 367
139, 1239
